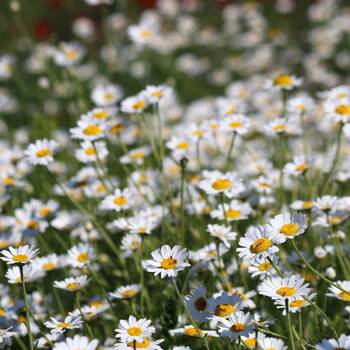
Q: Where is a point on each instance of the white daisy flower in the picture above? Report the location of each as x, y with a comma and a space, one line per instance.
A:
77, 342
147, 344
167, 261
88, 129
80, 255
233, 211
119, 200
262, 268
288, 225
155, 94
237, 123
326, 203
267, 343
284, 82
126, 292
72, 284
295, 304
191, 331
284, 288
89, 153
5, 337
236, 325
223, 233
258, 243
339, 294
224, 305
299, 166
61, 326
133, 329
335, 344
106, 95
19, 256
134, 104
41, 152
68, 54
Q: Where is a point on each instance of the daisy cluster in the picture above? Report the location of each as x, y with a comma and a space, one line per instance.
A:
174, 175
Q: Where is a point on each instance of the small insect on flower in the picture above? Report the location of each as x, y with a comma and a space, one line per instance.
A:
284, 288
133, 329
258, 243
288, 225
77, 342
41, 152
126, 292
197, 304
61, 326
72, 284
19, 256
167, 261
335, 344
338, 293
236, 325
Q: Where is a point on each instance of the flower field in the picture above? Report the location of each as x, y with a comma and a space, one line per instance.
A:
174, 175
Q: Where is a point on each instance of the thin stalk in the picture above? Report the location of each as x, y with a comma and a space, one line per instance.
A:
26, 305
289, 325
77, 302
183, 164
228, 157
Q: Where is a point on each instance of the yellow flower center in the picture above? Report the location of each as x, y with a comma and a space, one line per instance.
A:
20, 258
139, 345
308, 204
198, 133
44, 152
157, 93
2, 312
301, 167
137, 155
117, 128
49, 266
90, 151
140, 104
343, 109
8, 181
334, 220
45, 211
4, 244
235, 125
182, 145
96, 303
135, 331
344, 296
32, 224
191, 331
283, 80
224, 310
169, 263
92, 130
129, 293
63, 324
221, 184
289, 229
279, 127
101, 114
108, 96
71, 54
120, 200
286, 291
145, 34
73, 286
260, 245
232, 214
264, 266
237, 327
200, 304
297, 303
250, 342
83, 257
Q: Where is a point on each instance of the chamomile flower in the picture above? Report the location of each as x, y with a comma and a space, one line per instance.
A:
126, 292
237, 123
61, 326
284, 288
134, 330
41, 152
302, 205
180, 146
80, 255
106, 95
72, 284
281, 126
142, 34
197, 304
136, 156
338, 110
155, 94
268, 343
236, 325
119, 200
89, 152
215, 182
68, 54
146, 343
262, 268
134, 104
49, 262
284, 82
299, 166
295, 304
88, 129
19, 256
191, 331
325, 203
288, 225
233, 211
30, 274
223, 233
7, 64
5, 337
335, 344
258, 243
77, 342
167, 261
339, 294
224, 305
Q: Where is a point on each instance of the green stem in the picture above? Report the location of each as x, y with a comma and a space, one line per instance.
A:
228, 157
183, 164
289, 325
26, 305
